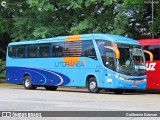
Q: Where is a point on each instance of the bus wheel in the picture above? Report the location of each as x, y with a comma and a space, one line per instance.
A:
92, 85
118, 91
53, 88
27, 83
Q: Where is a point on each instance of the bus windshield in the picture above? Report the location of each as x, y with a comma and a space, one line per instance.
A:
131, 60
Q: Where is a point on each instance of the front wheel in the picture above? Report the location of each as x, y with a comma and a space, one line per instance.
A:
92, 85
27, 83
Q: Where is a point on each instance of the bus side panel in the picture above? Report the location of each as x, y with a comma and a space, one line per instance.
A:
73, 75
153, 77
107, 78
13, 75
38, 76
93, 68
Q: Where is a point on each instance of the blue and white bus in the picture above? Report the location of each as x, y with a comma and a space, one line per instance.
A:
95, 61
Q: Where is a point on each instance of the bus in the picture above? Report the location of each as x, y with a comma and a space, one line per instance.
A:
95, 61
153, 77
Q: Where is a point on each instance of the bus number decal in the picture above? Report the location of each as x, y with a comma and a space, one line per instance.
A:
150, 66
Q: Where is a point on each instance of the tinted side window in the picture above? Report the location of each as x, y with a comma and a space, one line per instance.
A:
107, 55
88, 49
101, 46
73, 49
32, 51
57, 49
21, 51
155, 50
12, 51
44, 51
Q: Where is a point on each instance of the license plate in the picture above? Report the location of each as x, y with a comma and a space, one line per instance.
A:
134, 85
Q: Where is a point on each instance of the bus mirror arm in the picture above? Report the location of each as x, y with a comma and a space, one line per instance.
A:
150, 54
115, 49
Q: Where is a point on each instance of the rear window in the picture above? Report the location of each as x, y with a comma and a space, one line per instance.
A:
12, 51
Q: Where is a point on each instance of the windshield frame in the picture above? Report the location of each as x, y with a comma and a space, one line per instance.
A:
134, 68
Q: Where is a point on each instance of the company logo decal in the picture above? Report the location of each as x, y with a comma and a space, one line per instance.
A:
150, 66
72, 61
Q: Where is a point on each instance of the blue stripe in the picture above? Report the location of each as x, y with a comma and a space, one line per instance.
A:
38, 76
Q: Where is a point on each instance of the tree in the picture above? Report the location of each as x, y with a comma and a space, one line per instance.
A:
140, 19
30, 19
41, 19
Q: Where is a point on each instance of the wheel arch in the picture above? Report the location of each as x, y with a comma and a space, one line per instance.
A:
88, 77
24, 75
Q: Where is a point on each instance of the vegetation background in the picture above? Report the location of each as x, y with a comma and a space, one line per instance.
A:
35, 19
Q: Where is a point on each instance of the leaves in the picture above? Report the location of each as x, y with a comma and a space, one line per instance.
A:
40, 32
49, 18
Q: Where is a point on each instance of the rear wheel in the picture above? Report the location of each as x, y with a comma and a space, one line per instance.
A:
53, 88
27, 83
92, 85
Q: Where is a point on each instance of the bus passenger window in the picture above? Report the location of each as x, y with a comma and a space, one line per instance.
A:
43, 51
12, 51
73, 48
21, 52
88, 49
32, 52
57, 49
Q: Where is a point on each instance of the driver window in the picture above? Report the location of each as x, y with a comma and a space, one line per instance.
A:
109, 60
107, 55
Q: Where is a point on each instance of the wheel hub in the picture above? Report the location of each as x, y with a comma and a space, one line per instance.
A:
27, 82
92, 86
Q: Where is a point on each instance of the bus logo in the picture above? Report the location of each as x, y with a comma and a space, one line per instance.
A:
150, 66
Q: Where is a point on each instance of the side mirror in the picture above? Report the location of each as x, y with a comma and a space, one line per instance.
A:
115, 49
150, 54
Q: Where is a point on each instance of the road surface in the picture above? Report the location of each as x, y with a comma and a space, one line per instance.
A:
16, 98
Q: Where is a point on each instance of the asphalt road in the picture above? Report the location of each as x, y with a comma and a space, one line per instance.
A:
16, 98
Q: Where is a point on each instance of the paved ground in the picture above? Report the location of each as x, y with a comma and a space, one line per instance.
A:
16, 98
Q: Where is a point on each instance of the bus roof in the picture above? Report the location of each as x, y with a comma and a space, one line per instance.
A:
144, 42
110, 37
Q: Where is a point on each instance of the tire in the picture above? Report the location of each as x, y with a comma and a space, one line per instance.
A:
27, 83
52, 88
92, 85
118, 91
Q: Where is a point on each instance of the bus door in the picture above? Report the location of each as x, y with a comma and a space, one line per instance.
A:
108, 61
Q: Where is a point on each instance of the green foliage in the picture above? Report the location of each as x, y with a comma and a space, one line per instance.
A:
2, 69
2, 76
36, 19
